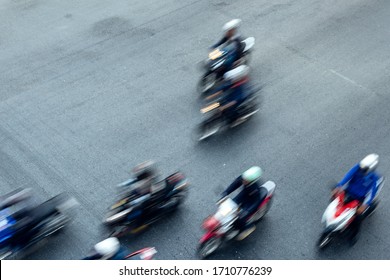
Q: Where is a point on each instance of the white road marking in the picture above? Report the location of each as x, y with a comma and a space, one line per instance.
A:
346, 78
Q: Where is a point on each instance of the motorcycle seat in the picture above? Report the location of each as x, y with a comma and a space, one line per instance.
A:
158, 188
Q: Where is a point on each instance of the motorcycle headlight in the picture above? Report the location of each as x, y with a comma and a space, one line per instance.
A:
215, 54
210, 107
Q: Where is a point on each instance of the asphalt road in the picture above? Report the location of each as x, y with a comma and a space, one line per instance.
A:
91, 88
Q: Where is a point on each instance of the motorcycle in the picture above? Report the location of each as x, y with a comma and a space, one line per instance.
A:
41, 222
133, 213
221, 227
143, 254
216, 120
215, 64
147, 253
340, 213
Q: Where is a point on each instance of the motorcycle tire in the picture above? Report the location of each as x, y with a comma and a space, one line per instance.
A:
371, 210
208, 247
206, 83
324, 240
178, 199
207, 129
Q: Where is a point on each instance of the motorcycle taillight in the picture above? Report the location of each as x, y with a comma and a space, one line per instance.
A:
211, 224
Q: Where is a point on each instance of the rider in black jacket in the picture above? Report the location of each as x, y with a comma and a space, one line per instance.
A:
232, 37
249, 197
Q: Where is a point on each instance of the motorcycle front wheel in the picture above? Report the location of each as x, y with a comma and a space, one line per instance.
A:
208, 247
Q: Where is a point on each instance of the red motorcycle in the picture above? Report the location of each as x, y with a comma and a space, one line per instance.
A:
221, 226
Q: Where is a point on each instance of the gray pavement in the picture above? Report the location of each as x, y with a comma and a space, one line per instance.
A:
91, 88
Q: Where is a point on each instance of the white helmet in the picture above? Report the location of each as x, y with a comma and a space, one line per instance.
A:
237, 73
233, 24
108, 247
252, 174
369, 163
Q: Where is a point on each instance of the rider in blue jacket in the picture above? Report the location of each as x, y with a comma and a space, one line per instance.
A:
232, 37
361, 183
235, 89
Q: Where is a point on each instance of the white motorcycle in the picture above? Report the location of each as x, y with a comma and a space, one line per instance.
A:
341, 212
221, 226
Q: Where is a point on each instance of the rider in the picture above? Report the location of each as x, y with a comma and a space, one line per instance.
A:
144, 177
15, 219
145, 170
232, 37
144, 184
248, 199
360, 183
108, 249
236, 88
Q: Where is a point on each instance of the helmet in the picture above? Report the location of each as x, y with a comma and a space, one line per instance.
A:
252, 174
108, 247
233, 24
369, 163
237, 73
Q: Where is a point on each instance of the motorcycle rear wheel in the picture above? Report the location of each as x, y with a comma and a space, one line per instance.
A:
178, 199
206, 83
324, 240
208, 129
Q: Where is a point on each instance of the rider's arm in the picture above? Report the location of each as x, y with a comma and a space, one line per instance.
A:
348, 176
222, 41
374, 189
233, 186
